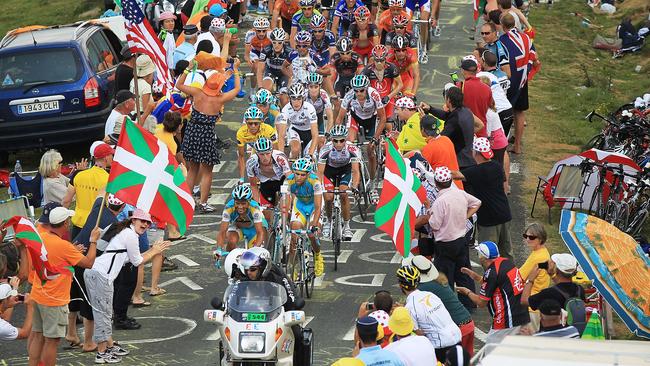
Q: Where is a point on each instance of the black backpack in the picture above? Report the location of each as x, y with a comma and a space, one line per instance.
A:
576, 310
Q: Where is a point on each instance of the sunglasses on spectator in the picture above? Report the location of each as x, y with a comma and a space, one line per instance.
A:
485, 33
337, 141
529, 237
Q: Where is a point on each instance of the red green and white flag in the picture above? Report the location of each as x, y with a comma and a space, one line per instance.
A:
26, 232
145, 174
401, 200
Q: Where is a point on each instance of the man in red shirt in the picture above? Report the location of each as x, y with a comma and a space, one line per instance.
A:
477, 95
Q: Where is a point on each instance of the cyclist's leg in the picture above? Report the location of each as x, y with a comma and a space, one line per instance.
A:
298, 221
282, 82
328, 197
233, 236
321, 130
344, 183
353, 129
294, 143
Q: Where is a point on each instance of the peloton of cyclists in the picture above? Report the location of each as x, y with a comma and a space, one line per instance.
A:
249, 133
318, 98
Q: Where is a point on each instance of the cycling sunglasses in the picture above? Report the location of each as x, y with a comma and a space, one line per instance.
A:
360, 90
338, 141
300, 174
302, 46
253, 123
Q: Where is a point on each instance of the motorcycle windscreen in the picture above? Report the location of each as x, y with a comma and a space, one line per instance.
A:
255, 300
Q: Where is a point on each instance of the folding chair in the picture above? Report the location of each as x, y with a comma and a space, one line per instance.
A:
28, 184
567, 185
8, 209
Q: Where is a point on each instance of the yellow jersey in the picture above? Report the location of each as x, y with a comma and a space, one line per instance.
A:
245, 137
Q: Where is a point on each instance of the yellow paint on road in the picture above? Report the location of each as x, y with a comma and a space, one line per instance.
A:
452, 62
455, 19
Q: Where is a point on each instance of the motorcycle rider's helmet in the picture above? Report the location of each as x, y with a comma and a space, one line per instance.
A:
257, 257
231, 264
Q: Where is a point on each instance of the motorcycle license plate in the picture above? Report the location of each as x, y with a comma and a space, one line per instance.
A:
255, 317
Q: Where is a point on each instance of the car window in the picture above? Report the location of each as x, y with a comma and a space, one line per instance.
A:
39, 66
100, 53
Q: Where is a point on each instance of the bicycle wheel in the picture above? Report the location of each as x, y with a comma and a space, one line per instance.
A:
623, 216
611, 212
634, 228
299, 268
271, 246
308, 279
336, 234
596, 142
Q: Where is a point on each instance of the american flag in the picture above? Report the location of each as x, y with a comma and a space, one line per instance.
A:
143, 39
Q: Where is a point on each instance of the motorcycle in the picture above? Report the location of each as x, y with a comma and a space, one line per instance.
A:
254, 327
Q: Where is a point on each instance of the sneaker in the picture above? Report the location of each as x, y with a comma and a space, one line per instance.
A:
347, 232
205, 208
168, 265
117, 350
319, 264
436, 31
126, 324
106, 357
327, 228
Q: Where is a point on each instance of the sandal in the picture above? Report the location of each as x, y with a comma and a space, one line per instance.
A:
183, 237
145, 289
159, 291
140, 304
73, 345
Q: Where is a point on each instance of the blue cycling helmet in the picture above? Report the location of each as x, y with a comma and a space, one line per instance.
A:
242, 192
253, 113
360, 82
314, 78
264, 96
263, 145
302, 165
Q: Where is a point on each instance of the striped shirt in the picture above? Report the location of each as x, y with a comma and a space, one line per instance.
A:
559, 332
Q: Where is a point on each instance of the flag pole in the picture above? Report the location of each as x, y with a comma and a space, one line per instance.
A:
101, 208
137, 93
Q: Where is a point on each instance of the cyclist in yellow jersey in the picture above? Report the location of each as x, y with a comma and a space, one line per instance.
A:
248, 134
89, 184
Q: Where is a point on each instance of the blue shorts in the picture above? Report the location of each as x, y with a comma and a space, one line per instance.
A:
248, 234
301, 211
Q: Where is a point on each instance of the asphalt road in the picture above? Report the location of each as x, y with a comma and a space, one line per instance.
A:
173, 332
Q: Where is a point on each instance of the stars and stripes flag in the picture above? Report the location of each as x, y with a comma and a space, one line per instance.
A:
143, 39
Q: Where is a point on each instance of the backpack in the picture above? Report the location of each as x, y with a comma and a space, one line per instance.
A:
576, 310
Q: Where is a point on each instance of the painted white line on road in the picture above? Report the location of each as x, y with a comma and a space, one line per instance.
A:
308, 320
217, 168
231, 183
480, 335
189, 323
204, 238
515, 168
368, 257
181, 258
358, 234
377, 280
397, 258
455, 19
369, 216
349, 336
318, 281
381, 237
185, 281
344, 255
219, 198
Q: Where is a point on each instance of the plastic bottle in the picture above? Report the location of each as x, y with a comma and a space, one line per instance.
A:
233, 30
18, 168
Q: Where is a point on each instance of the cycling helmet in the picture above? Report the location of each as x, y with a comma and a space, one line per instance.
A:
253, 113
362, 13
318, 21
380, 52
360, 82
264, 96
405, 102
344, 44
296, 90
400, 21
261, 23
400, 42
231, 264
278, 34
307, 3
314, 78
339, 131
242, 192
256, 257
408, 276
303, 37
395, 3
263, 145
302, 165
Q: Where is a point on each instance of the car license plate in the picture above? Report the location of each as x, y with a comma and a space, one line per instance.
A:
38, 107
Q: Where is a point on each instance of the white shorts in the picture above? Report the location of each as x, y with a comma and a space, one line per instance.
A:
424, 7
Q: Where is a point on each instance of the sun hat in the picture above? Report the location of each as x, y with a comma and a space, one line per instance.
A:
140, 215
565, 263
59, 214
114, 201
217, 25
100, 150
442, 174
488, 250
213, 85
482, 145
348, 361
144, 66
405, 102
428, 272
400, 321
208, 61
165, 15
45, 216
6, 291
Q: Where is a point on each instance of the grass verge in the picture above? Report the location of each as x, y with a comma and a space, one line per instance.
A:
22, 13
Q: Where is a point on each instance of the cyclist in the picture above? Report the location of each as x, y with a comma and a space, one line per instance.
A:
323, 42
273, 68
400, 23
364, 34
283, 11
248, 134
307, 195
302, 18
424, 6
304, 60
265, 101
385, 25
256, 40
266, 171
241, 219
365, 107
406, 60
344, 16
346, 63
298, 123
338, 166
318, 97
384, 77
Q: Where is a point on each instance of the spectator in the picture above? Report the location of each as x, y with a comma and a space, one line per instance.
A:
203, 46
520, 19
486, 182
412, 349
124, 106
186, 50
166, 22
435, 282
501, 289
499, 83
535, 238
410, 138
124, 71
457, 356
562, 267
145, 68
122, 248
432, 320
380, 308
209, 33
493, 44
369, 351
551, 322
9, 299
51, 297
347, 361
439, 150
55, 184
476, 95
448, 220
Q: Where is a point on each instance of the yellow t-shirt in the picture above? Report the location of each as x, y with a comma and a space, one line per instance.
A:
166, 137
411, 137
87, 185
543, 280
244, 137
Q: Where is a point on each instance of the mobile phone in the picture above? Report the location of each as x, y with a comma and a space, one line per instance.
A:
370, 306
543, 265
21, 297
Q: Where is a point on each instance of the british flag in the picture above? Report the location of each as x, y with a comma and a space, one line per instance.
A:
143, 39
522, 55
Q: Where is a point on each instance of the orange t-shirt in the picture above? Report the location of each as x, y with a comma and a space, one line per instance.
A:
440, 152
60, 252
286, 10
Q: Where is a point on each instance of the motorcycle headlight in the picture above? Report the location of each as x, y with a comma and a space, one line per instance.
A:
251, 342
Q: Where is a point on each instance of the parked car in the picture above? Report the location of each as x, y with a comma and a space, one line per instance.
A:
56, 85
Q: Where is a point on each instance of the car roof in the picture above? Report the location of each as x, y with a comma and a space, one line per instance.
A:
55, 34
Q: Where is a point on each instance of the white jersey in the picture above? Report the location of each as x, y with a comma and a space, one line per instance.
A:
279, 167
321, 103
364, 110
498, 92
337, 159
431, 316
301, 119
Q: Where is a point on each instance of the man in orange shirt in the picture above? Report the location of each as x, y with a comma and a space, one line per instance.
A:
51, 297
439, 150
283, 11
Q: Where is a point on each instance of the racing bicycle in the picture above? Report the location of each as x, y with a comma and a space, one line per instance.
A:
302, 266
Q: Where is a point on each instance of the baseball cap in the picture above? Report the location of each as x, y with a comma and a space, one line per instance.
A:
367, 326
428, 272
6, 291
488, 250
100, 150
348, 361
113, 200
141, 215
123, 95
565, 263
442, 174
59, 215
400, 321
469, 63
482, 145
550, 307
429, 124
216, 10
190, 29
126, 52
45, 216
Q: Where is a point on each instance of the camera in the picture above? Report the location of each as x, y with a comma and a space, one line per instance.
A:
370, 306
543, 265
21, 297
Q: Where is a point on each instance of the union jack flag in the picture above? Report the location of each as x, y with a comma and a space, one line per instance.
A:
143, 39
521, 53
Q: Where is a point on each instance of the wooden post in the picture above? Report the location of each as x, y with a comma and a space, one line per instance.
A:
101, 208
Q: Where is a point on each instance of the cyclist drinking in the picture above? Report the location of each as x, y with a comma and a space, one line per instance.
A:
406, 60
364, 34
248, 134
384, 77
241, 219
266, 170
318, 97
298, 123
